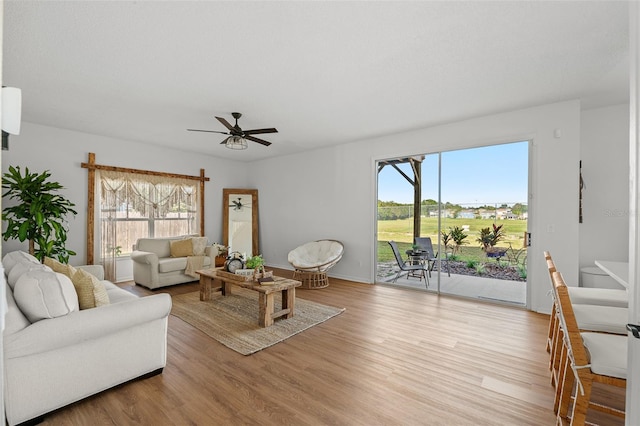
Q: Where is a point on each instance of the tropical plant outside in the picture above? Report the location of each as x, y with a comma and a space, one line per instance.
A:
490, 236
401, 231
458, 236
446, 241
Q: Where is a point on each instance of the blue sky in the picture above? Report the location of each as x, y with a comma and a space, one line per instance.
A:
486, 175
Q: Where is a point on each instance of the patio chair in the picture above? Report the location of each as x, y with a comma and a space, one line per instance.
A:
408, 266
424, 243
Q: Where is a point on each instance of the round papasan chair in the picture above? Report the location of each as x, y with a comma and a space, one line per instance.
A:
312, 260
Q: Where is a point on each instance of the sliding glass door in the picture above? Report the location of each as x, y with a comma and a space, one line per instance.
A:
471, 205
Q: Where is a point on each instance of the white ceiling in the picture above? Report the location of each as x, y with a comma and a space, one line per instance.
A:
322, 73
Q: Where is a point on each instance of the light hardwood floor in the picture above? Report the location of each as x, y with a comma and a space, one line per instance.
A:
394, 357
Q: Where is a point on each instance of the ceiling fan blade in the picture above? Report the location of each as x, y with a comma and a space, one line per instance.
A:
225, 123
256, 131
263, 142
208, 131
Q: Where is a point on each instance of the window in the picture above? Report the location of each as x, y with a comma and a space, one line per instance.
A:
135, 206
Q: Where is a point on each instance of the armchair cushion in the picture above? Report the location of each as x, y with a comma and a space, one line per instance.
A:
316, 255
170, 264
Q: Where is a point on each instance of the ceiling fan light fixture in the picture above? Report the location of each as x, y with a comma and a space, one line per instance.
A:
236, 142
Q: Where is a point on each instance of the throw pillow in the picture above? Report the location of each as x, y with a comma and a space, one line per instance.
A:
57, 266
70, 271
91, 292
45, 294
199, 244
181, 248
20, 268
13, 258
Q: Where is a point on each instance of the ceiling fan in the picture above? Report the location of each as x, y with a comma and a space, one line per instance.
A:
237, 136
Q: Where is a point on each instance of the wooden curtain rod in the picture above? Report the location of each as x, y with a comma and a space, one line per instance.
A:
93, 166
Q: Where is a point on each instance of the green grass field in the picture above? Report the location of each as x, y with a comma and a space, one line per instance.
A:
401, 231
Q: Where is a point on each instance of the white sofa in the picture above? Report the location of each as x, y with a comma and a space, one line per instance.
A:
154, 267
52, 362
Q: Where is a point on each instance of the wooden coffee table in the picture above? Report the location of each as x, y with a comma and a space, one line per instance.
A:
266, 293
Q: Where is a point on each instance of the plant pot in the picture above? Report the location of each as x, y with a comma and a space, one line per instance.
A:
219, 260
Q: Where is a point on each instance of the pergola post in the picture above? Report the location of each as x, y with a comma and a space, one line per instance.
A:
416, 182
417, 196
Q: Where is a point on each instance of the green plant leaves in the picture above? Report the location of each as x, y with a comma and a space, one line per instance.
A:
38, 214
23, 231
254, 262
490, 237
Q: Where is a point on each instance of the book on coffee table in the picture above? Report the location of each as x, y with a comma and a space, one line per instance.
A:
266, 281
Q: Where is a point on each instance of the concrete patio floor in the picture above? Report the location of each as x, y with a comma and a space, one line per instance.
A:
489, 289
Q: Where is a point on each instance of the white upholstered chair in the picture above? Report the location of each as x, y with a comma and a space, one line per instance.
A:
587, 357
312, 260
589, 317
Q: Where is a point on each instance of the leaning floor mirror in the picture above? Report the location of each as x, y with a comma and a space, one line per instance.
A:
240, 220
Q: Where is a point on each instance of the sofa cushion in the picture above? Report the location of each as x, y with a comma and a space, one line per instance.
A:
91, 292
13, 258
14, 319
117, 294
181, 248
20, 268
171, 264
45, 294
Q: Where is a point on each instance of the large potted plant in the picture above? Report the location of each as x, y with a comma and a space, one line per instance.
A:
39, 213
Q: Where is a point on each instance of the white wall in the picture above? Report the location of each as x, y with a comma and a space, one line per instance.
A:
62, 151
604, 151
330, 193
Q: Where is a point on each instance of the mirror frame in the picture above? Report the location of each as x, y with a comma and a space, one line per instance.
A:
227, 211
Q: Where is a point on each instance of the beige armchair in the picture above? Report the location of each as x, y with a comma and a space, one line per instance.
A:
154, 267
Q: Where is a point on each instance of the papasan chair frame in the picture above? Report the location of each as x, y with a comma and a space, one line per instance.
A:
312, 272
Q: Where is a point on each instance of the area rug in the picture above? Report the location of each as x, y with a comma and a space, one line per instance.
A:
233, 320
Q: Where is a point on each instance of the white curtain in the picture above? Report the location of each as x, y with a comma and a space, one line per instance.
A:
110, 189
133, 196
